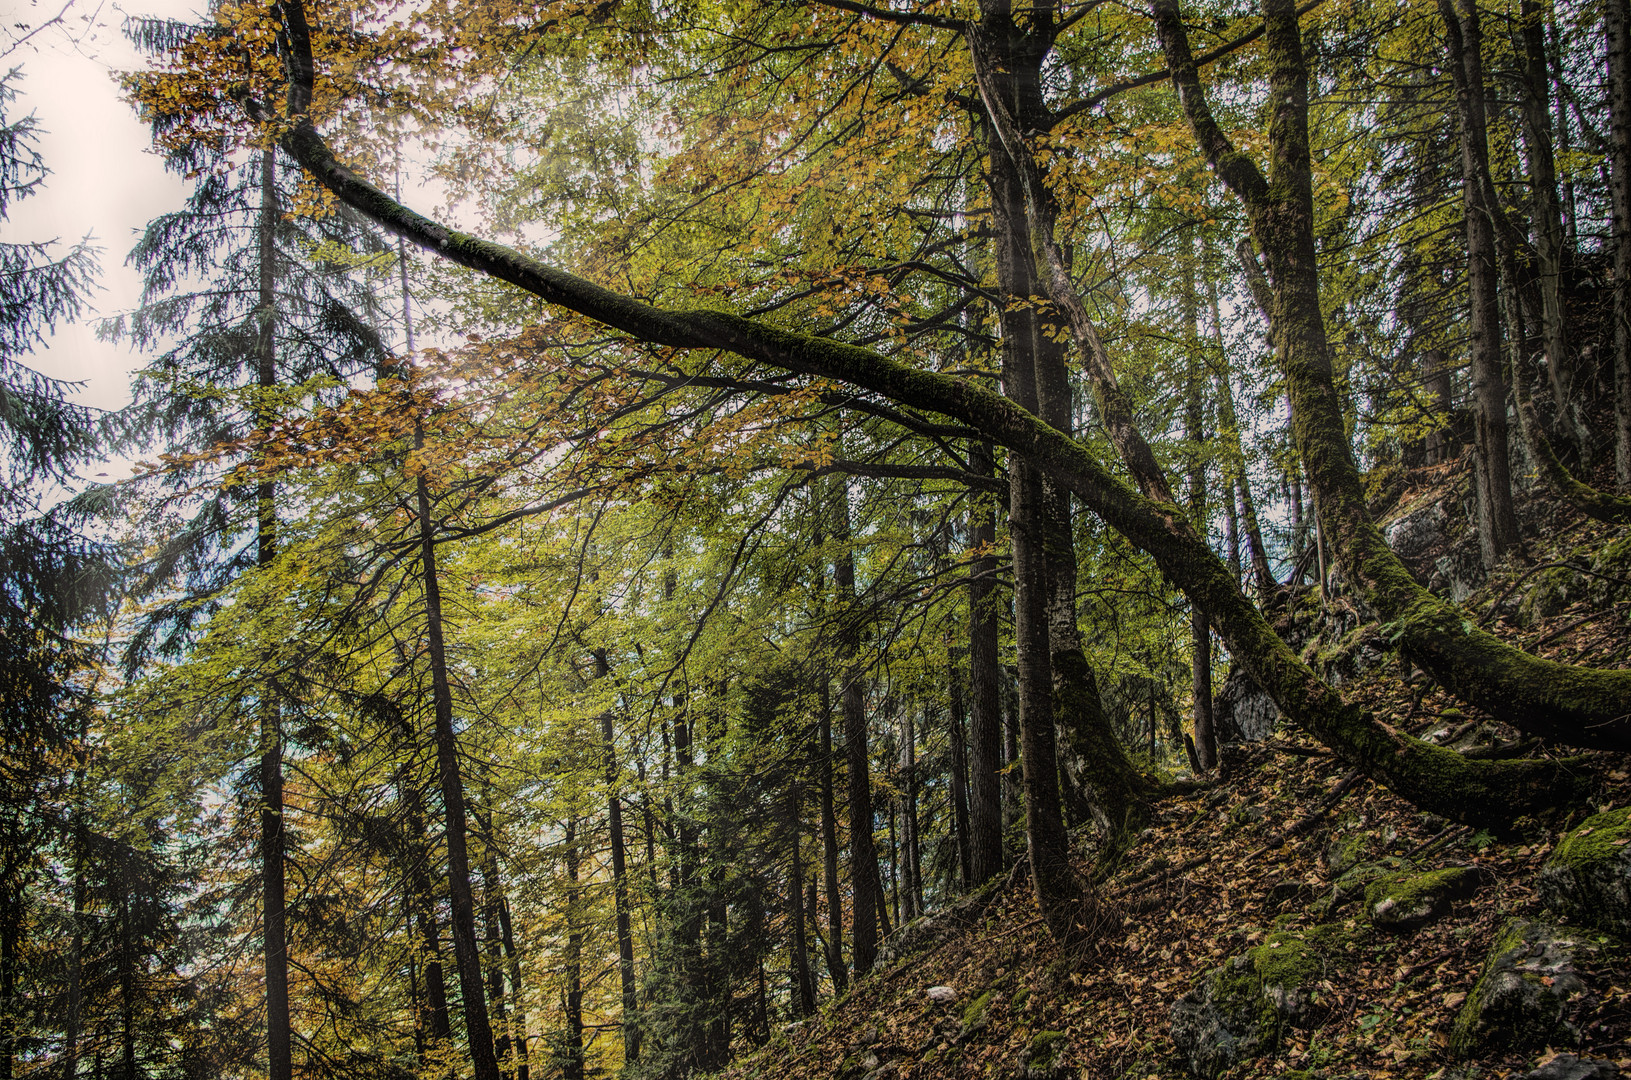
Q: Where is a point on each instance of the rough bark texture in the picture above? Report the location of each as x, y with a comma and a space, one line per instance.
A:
1548, 225
866, 886
984, 685
829, 852
1497, 521
1617, 24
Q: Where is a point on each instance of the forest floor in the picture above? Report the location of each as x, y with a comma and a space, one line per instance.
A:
1223, 868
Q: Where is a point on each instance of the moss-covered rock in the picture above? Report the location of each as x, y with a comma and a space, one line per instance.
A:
1588, 877
1549, 592
1241, 1010
1403, 902
974, 1015
1346, 851
1522, 998
1044, 1057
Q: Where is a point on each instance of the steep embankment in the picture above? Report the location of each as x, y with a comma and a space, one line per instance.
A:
1212, 883
1296, 917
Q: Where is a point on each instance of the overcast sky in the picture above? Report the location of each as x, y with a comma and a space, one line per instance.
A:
104, 183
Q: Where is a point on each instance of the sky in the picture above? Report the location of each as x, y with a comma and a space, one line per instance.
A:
105, 182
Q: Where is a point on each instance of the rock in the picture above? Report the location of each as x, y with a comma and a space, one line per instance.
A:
1243, 711
1549, 593
1406, 902
1415, 534
1043, 1058
1344, 853
1570, 1067
1240, 1010
941, 993
1588, 877
974, 1015
1460, 573
1522, 997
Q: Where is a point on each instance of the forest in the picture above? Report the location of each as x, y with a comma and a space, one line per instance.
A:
833, 538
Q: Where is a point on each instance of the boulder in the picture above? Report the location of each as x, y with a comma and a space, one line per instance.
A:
1403, 902
1243, 711
1588, 877
1415, 534
1240, 1010
1570, 1067
1523, 995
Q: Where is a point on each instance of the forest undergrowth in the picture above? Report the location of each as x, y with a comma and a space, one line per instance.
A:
1255, 857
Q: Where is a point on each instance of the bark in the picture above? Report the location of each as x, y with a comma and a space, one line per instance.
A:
1497, 521
499, 916
422, 900
466, 954
959, 777
829, 852
1617, 26
803, 994
909, 823
1548, 225
1577, 704
984, 681
1436, 380
1200, 631
620, 881
490, 897
1058, 892
866, 885
279, 1039
572, 1059
513, 961
1023, 218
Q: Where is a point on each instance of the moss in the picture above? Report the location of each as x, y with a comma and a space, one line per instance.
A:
1408, 889
1021, 996
1331, 937
1346, 852
974, 1014
1598, 839
1043, 1052
1285, 960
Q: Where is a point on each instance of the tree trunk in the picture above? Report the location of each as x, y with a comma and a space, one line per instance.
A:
416, 859
984, 682
1617, 24
908, 765
620, 881
1200, 630
279, 1041
829, 850
490, 899
1548, 224
572, 1061
959, 776
1497, 522
803, 989
865, 884
466, 955
1058, 892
